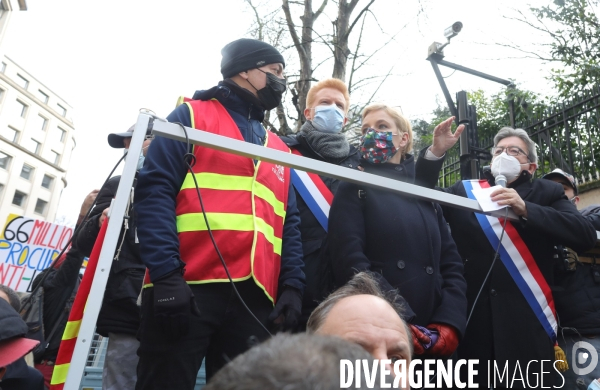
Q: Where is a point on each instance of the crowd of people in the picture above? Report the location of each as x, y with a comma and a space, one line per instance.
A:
219, 252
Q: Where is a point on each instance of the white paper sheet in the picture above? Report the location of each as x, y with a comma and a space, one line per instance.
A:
483, 197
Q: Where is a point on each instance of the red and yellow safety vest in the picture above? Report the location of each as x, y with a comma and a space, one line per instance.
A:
245, 205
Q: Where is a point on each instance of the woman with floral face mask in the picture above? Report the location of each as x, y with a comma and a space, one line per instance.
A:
405, 242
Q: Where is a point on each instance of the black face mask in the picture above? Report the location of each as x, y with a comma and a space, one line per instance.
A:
270, 96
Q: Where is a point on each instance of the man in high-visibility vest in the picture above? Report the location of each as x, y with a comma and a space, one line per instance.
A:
189, 309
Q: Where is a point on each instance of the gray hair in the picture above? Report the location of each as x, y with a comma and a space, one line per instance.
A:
363, 283
13, 297
291, 362
506, 132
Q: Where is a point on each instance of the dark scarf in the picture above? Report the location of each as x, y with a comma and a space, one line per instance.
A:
329, 145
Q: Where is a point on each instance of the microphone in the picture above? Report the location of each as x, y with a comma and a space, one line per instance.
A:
501, 181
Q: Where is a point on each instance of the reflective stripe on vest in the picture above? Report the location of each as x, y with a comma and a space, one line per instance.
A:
245, 204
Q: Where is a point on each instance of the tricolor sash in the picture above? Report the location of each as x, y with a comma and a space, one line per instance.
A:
314, 192
519, 262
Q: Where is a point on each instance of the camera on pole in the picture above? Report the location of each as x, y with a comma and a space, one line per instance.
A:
471, 154
453, 30
449, 33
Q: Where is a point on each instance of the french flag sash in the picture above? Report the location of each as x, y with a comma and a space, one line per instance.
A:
314, 192
519, 262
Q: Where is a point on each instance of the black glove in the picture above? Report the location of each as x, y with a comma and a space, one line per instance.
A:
288, 308
173, 305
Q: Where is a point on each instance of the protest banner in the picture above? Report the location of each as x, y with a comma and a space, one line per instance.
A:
27, 247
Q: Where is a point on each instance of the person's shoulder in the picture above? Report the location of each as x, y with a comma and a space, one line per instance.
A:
353, 150
545, 192
591, 209
290, 140
111, 184
181, 114
114, 179
546, 185
353, 157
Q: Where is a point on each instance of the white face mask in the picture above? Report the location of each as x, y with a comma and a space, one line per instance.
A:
506, 165
140, 163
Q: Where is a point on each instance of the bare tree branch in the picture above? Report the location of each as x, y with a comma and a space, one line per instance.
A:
320, 10
380, 84
362, 11
258, 20
536, 55
353, 67
292, 26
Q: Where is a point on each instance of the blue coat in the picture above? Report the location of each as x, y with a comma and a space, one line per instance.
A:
160, 180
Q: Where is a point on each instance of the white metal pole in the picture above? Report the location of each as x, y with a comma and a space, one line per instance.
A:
117, 212
258, 152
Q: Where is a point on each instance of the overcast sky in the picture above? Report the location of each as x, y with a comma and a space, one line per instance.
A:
109, 59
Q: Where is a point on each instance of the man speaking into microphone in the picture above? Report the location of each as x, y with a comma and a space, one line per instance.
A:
513, 321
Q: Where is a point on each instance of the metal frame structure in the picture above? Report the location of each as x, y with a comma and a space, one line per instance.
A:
470, 153
436, 57
117, 211
161, 127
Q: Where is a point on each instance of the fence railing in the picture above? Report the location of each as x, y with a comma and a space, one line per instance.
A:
567, 137
92, 376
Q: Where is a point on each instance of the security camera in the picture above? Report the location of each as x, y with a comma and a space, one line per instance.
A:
453, 30
437, 49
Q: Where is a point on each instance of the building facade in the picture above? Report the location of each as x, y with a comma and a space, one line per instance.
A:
36, 137
36, 143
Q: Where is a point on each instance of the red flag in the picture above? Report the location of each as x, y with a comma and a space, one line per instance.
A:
69, 338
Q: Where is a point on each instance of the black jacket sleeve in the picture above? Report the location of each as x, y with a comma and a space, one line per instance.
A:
292, 264
560, 221
158, 184
68, 272
453, 306
90, 229
427, 172
594, 219
348, 240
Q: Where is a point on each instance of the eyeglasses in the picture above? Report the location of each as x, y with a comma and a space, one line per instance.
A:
149, 136
510, 150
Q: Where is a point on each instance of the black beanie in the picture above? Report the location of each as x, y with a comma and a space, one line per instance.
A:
245, 54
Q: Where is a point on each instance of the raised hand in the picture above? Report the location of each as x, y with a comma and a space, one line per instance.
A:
443, 139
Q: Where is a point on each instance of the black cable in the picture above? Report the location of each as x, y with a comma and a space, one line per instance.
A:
486, 277
491, 267
75, 233
190, 158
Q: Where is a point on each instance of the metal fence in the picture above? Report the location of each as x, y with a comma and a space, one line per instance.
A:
567, 137
92, 375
